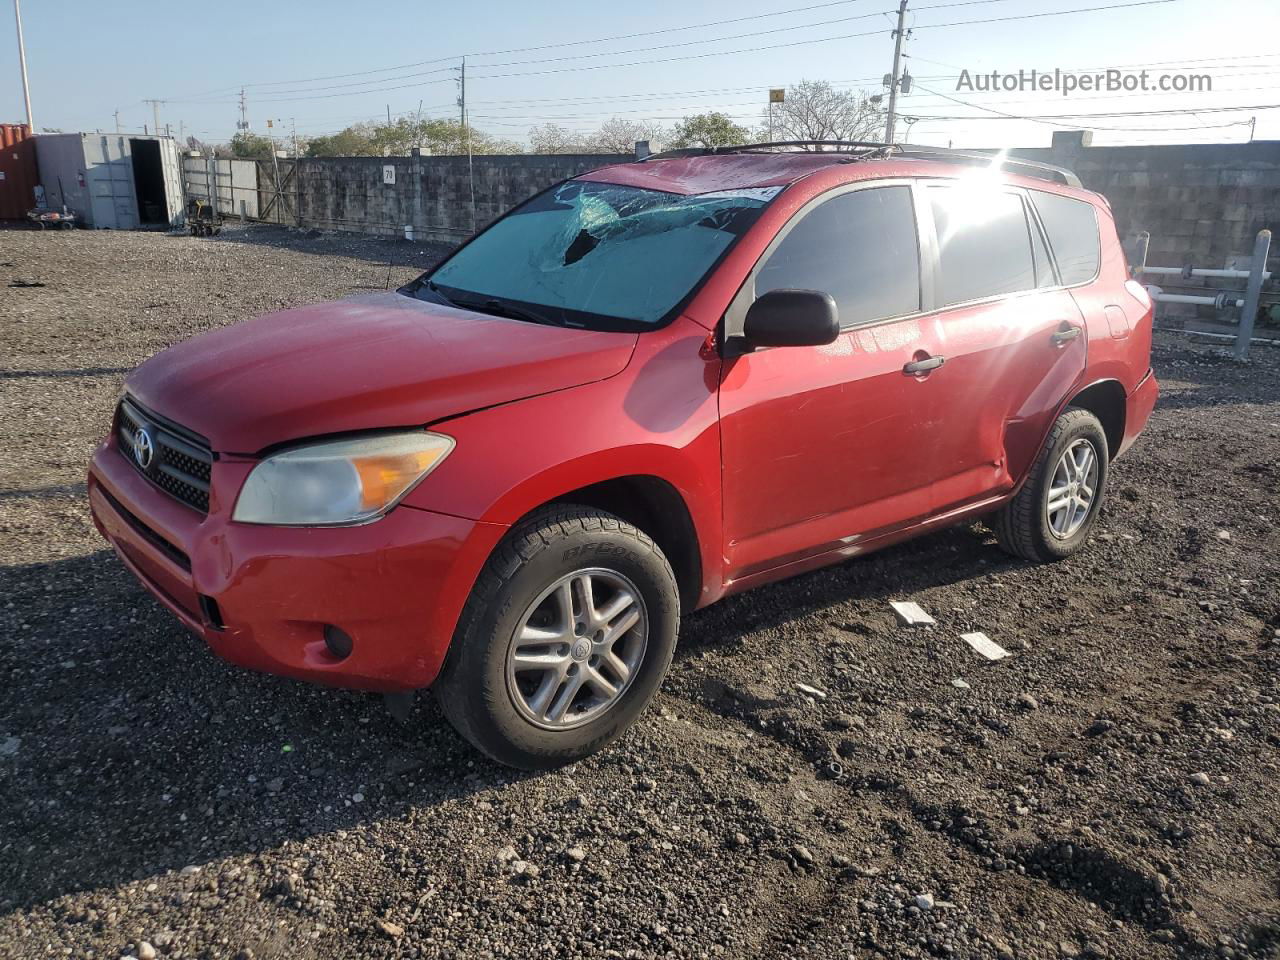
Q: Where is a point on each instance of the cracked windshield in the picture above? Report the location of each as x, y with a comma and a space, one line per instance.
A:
597, 255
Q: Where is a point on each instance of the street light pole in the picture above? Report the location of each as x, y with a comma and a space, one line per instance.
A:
22, 60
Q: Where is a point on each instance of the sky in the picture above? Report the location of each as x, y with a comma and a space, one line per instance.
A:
318, 66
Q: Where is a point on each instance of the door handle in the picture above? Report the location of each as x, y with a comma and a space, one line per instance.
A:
1065, 335
923, 366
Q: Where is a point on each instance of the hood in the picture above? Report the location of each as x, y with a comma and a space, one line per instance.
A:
374, 361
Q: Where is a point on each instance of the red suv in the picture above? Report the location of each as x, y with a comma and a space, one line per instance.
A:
644, 389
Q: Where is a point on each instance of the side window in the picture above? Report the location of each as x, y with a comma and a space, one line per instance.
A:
860, 247
984, 244
1072, 226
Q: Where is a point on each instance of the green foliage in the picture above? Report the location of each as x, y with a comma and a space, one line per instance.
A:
351, 142
398, 138
251, 146
708, 130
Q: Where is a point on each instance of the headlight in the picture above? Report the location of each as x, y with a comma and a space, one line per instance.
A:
339, 481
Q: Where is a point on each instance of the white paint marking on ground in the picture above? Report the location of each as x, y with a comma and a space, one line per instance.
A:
985, 645
911, 614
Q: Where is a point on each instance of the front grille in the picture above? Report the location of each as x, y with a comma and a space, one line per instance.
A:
174, 459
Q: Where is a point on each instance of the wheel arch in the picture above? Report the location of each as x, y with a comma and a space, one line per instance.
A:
1106, 400
656, 507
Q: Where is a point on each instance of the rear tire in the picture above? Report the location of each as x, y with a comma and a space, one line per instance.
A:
1072, 466
509, 691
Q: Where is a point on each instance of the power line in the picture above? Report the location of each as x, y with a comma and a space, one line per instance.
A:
1120, 96
699, 56
1233, 123
549, 46
1037, 16
693, 43
1181, 111
1150, 63
797, 43
360, 83
282, 95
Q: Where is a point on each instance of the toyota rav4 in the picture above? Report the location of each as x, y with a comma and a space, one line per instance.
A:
649, 387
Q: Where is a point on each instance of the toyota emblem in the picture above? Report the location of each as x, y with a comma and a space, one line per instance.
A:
143, 448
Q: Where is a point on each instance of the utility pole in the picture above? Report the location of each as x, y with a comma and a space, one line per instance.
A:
22, 60
462, 93
155, 113
117, 116
243, 123
466, 132
388, 114
293, 128
893, 85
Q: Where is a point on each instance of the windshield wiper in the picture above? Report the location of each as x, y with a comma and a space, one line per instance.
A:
505, 308
493, 306
435, 288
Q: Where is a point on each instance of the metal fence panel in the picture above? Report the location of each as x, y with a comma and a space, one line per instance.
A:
235, 184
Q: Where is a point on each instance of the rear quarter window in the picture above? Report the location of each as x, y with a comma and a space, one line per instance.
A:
1072, 226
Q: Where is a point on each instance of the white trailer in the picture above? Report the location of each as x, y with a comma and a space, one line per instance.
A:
113, 181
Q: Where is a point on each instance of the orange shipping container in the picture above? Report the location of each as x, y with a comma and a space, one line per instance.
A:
18, 176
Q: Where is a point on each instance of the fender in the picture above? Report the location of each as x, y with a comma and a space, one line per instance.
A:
659, 417
1079, 388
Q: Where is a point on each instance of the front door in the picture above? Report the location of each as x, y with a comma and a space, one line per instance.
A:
825, 446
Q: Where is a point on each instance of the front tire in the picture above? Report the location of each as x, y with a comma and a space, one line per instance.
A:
1053, 514
564, 640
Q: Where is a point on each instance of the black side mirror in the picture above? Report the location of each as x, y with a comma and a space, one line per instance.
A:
791, 318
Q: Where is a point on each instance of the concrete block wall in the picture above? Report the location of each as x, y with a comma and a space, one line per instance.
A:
349, 193
431, 193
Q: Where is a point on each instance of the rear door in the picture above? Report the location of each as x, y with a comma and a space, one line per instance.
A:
1014, 337
170, 165
824, 446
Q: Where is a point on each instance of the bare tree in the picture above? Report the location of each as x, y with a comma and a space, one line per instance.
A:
620, 136
551, 138
815, 110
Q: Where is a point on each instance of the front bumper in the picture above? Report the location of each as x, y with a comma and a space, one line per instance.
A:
261, 596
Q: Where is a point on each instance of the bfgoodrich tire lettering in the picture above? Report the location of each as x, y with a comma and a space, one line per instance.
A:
1025, 525
552, 546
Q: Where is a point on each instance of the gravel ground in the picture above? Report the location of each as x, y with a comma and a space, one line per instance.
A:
1108, 790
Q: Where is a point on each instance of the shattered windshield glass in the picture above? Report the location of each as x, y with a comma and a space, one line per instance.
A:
596, 255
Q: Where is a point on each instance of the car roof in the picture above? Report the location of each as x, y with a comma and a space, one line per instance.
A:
707, 173
716, 171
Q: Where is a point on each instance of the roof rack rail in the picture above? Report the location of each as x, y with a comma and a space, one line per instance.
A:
1016, 165
839, 146
866, 148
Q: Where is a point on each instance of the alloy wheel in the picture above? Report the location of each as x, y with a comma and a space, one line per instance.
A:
1072, 489
577, 648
